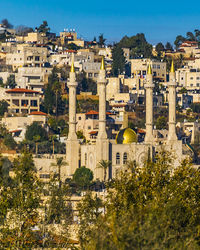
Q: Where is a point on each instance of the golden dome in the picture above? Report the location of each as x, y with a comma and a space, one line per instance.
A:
126, 136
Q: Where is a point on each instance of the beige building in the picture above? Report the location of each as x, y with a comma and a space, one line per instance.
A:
139, 68
32, 77
190, 48
33, 37
21, 100
20, 122
25, 55
188, 78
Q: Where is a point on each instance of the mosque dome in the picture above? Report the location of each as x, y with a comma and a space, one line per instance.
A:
126, 136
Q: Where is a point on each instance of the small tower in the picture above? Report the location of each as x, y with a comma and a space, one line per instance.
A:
102, 143
72, 145
149, 106
172, 137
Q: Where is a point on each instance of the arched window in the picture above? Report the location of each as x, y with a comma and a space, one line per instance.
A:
117, 158
85, 159
125, 156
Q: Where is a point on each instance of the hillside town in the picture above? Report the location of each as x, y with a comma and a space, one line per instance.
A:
83, 113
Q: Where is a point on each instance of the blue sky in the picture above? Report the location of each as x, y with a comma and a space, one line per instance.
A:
159, 20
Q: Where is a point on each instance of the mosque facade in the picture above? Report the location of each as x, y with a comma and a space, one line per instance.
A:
125, 147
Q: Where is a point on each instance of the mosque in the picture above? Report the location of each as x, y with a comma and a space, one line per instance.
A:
125, 147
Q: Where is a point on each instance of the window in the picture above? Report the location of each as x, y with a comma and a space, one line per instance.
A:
89, 127
85, 158
37, 58
198, 78
191, 78
158, 66
125, 158
89, 74
117, 158
79, 117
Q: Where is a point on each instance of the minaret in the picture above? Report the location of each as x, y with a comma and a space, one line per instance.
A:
102, 102
172, 105
72, 146
102, 143
149, 106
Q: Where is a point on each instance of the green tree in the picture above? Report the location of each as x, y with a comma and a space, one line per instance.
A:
9, 141
43, 28
83, 177
168, 46
6, 23
159, 48
25, 199
150, 207
118, 64
53, 102
101, 41
11, 82
3, 107
36, 139
36, 129
161, 122
179, 40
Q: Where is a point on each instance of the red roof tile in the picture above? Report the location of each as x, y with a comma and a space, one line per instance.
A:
38, 113
20, 90
93, 132
92, 112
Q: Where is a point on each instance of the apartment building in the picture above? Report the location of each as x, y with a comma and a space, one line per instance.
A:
139, 68
21, 100
32, 77
25, 55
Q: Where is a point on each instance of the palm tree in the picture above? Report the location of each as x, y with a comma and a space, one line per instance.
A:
36, 139
103, 164
59, 163
53, 138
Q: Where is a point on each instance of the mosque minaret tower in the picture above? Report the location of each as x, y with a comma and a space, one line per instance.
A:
149, 106
72, 146
172, 105
102, 142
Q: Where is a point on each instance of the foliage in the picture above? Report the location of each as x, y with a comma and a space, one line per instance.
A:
183, 91
87, 104
83, 177
24, 201
80, 135
59, 208
168, 46
118, 64
43, 28
195, 107
146, 208
161, 122
104, 165
53, 102
72, 46
11, 82
3, 107
101, 41
159, 48
179, 40
58, 126
22, 30
35, 129
138, 46
87, 85
9, 141
6, 23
